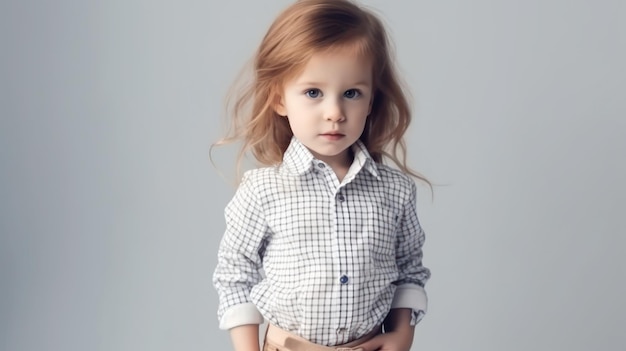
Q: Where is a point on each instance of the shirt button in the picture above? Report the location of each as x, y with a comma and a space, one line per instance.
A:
341, 198
341, 330
321, 165
343, 279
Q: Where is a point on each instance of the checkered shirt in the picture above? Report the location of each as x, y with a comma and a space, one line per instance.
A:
323, 259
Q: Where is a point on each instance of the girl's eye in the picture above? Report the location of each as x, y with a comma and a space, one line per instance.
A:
352, 94
313, 93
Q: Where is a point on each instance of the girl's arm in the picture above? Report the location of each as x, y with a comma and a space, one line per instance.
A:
412, 275
245, 337
239, 266
240, 257
398, 319
410, 300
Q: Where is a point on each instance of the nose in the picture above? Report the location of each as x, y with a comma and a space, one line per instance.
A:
334, 112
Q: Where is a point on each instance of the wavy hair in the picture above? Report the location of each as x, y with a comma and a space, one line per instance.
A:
301, 30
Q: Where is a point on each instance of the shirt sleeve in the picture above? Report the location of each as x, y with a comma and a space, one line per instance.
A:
239, 263
413, 275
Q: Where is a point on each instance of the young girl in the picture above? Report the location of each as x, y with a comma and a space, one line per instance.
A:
324, 242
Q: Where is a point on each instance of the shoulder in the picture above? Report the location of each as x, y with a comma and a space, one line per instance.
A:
398, 187
266, 183
252, 188
395, 178
258, 176
259, 179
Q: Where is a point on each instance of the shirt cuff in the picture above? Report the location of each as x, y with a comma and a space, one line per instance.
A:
242, 314
410, 296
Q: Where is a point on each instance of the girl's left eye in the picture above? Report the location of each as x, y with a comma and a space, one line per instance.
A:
352, 94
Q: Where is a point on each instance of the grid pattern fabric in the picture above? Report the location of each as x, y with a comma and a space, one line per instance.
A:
318, 257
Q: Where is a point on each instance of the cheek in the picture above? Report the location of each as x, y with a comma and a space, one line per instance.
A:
362, 110
293, 104
299, 121
302, 108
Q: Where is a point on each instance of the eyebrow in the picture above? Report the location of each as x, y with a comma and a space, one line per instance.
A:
310, 83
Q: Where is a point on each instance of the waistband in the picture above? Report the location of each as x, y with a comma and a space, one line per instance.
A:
282, 338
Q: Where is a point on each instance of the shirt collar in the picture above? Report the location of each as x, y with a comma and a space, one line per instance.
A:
298, 159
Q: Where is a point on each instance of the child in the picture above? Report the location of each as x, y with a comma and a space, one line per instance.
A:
323, 242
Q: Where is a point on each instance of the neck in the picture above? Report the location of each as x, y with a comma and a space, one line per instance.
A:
341, 166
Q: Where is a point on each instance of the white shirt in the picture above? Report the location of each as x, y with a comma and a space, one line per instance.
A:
322, 259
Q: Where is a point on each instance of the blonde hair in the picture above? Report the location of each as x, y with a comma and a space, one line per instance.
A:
304, 28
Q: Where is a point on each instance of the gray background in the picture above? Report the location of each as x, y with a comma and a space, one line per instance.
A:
111, 212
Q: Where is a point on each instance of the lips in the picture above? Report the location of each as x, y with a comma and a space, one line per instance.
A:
332, 135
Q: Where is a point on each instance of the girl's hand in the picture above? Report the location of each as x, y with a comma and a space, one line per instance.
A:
398, 334
392, 341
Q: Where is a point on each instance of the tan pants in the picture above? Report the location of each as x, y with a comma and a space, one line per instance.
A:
277, 339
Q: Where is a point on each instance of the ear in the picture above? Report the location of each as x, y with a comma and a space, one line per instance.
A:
280, 108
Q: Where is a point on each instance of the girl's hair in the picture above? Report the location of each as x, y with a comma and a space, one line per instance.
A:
303, 29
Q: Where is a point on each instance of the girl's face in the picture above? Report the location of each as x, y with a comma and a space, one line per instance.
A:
328, 103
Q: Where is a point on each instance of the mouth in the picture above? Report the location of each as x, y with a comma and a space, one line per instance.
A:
332, 135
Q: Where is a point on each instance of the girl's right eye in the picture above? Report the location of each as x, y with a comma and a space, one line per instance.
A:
313, 93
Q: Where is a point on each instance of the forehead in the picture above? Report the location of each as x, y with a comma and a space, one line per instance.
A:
335, 66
